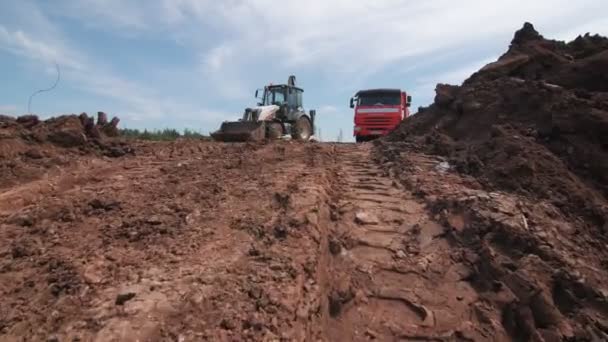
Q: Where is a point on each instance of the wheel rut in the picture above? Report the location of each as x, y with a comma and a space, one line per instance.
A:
393, 277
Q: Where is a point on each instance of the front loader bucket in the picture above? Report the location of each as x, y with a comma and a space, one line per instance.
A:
240, 131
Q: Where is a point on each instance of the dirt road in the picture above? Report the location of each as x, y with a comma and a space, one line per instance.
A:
193, 241
396, 264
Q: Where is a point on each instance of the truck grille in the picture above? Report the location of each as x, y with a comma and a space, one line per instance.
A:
376, 122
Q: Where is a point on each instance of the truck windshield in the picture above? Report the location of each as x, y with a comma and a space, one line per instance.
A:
274, 96
380, 99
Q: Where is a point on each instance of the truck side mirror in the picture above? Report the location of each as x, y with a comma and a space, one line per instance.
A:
352, 103
409, 100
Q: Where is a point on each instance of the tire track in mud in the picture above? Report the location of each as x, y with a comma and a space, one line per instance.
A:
393, 274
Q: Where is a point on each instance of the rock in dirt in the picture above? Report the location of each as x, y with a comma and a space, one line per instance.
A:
104, 204
334, 247
227, 324
280, 232
115, 152
122, 298
401, 254
34, 153
365, 218
443, 167
154, 220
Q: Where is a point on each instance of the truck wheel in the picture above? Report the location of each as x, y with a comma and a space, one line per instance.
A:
275, 131
302, 130
359, 139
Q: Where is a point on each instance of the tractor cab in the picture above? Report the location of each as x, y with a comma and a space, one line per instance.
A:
287, 97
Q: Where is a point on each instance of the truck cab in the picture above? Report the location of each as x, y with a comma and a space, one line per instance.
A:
378, 112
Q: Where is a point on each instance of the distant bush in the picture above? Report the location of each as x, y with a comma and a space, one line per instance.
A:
167, 134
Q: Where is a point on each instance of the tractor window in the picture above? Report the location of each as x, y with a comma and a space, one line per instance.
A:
274, 96
279, 97
292, 97
380, 99
298, 98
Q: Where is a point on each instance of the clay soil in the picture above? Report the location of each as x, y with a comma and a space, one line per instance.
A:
440, 232
287, 241
282, 241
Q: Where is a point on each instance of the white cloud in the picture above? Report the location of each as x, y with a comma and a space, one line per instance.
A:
340, 35
20, 43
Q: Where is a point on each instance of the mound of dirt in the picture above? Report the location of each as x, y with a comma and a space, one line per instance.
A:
534, 122
29, 147
521, 177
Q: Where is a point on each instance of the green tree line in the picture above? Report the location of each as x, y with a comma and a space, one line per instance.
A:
166, 134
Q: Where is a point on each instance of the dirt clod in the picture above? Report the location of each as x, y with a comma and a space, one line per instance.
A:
34, 154
335, 247
105, 204
24, 220
122, 298
228, 324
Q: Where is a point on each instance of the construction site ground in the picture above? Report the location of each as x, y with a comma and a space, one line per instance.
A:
192, 240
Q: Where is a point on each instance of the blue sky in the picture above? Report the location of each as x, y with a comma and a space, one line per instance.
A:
194, 63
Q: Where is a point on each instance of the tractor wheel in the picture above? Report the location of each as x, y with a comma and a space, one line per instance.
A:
275, 131
302, 130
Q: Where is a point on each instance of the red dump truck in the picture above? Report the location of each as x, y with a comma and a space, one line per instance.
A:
378, 112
